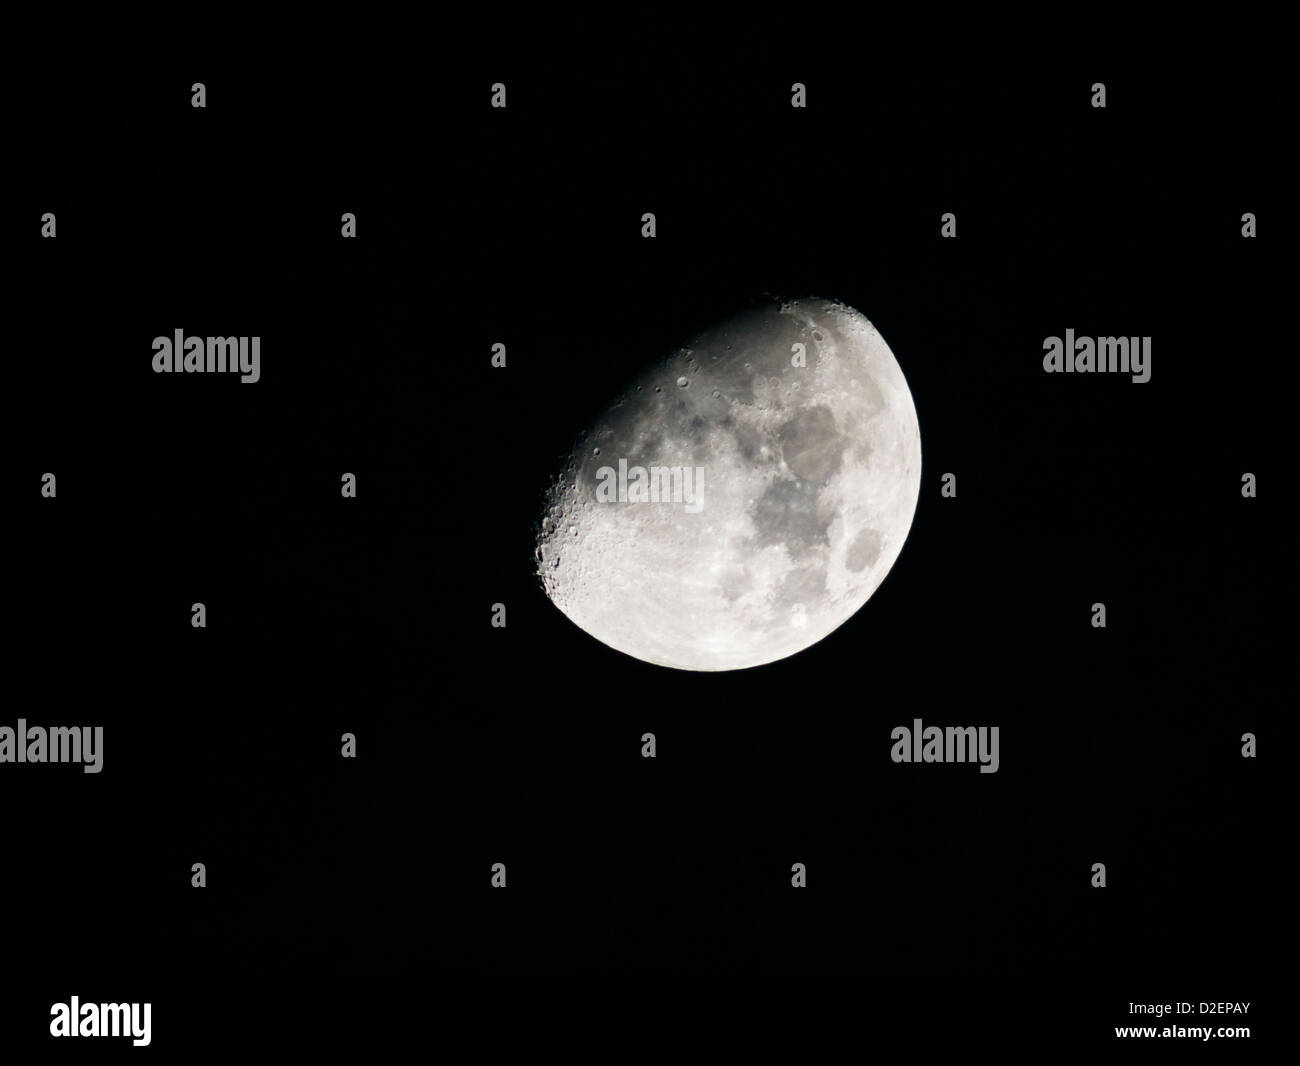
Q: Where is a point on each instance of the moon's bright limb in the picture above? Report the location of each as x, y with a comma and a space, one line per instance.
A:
810, 478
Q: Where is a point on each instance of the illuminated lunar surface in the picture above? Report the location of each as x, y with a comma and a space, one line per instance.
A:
810, 478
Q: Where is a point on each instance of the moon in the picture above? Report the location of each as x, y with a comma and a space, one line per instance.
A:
782, 456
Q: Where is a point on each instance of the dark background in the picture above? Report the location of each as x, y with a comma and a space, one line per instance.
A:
522, 745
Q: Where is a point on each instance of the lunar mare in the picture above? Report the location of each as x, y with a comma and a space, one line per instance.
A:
809, 479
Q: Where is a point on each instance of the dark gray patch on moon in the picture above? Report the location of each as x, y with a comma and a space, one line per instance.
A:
811, 445
805, 585
787, 514
864, 552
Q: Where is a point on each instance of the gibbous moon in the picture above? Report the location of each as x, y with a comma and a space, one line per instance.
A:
743, 498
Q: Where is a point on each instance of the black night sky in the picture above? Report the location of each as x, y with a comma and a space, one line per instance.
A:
478, 745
